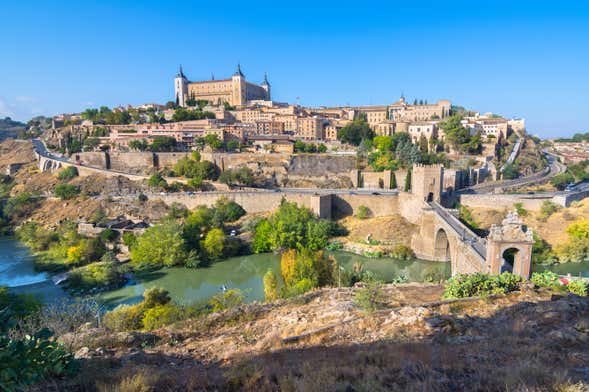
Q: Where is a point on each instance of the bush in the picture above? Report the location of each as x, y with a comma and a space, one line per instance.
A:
363, 212
160, 245
545, 279
159, 316
213, 244
124, 318
519, 208
478, 284
402, 252
547, 209
578, 287
32, 359
369, 297
129, 239
101, 274
66, 191
226, 300
67, 173
270, 286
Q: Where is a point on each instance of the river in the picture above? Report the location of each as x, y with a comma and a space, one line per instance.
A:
198, 285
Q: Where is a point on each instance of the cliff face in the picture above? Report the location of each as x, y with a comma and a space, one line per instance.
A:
527, 340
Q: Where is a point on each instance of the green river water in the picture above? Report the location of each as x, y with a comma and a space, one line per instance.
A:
197, 285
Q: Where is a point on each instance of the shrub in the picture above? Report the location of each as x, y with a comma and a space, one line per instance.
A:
213, 244
124, 318
129, 239
32, 359
545, 279
547, 209
156, 296
109, 235
363, 212
519, 208
478, 284
270, 286
142, 198
402, 252
101, 274
226, 300
160, 245
578, 287
66, 191
369, 297
67, 173
159, 316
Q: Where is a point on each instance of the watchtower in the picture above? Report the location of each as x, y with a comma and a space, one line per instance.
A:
427, 181
509, 247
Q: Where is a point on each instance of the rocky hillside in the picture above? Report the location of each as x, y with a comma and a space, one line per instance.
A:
528, 340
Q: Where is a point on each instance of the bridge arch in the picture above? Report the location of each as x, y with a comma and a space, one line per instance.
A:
512, 258
442, 246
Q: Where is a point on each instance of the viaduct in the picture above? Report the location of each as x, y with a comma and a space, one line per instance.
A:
441, 236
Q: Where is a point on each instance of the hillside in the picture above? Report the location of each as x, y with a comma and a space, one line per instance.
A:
10, 128
324, 341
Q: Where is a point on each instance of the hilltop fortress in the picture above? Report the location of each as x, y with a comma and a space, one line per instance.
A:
236, 90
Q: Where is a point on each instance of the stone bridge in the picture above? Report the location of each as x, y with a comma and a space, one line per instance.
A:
443, 237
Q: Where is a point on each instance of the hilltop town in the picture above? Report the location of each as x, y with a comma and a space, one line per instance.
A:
456, 224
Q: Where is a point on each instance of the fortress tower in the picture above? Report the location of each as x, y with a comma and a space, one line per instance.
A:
427, 182
181, 88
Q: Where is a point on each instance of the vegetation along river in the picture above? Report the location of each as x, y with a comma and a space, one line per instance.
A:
196, 285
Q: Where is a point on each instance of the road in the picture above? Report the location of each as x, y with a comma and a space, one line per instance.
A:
476, 242
554, 168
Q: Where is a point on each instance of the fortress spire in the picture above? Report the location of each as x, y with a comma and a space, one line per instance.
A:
238, 71
180, 73
265, 82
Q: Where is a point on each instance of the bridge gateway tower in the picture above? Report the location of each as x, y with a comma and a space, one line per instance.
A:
509, 247
427, 182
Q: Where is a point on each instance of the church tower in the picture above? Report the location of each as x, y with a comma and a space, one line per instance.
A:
266, 86
181, 88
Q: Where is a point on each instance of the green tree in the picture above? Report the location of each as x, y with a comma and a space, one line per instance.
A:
355, 132
383, 143
408, 181
160, 245
157, 181
163, 144
560, 181
270, 286
213, 244
510, 171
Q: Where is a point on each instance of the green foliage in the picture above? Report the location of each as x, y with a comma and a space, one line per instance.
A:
96, 275
270, 286
129, 239
478, 284
163, 144
292, 227
35, 236
370, 297
140, 145
578, 287
157, 181
402, 252
510, 171
459, 137
519, 208
67, 173
541, 251
226, 300
159, 316
465, 215
560, 181
32, 359
545, 279
196, 169
213, 244
407, 187
182, 114
109, 235
363, 212
160, 245
306, 269
241, 176
213, 141
355, 132
19, 206
66, 191
547, 209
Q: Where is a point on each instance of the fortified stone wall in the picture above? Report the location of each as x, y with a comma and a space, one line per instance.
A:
504, 201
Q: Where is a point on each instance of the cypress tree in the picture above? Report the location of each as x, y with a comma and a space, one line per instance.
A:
393, 180
408, 181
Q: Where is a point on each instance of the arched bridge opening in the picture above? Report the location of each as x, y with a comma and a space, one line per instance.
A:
441, 246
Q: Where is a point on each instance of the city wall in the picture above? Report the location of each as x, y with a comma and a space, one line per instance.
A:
531, 203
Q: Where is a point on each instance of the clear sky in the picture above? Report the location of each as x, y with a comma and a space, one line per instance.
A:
516, 58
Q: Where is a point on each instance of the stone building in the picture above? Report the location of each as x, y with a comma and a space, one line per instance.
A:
427, 182
402, 111
236, 90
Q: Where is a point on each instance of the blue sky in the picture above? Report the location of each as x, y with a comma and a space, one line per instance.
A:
517, 58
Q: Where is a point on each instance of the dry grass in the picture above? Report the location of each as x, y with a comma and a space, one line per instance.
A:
391, 229
525, 341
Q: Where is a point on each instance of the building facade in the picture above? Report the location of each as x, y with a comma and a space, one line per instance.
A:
236, 90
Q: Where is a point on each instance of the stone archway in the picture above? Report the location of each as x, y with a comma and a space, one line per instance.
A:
510, 257
441, 246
